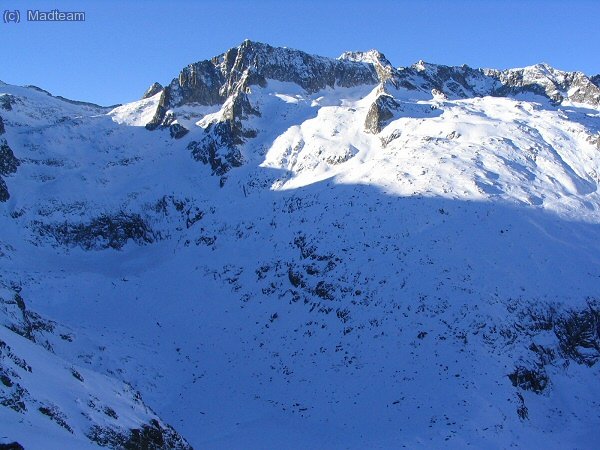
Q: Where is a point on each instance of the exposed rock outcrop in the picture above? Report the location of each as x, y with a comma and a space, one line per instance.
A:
4, 195
218, 148
8, 166
7, 101
464, 81
211, 82
100, 233
15, 315
161, 111
153, 90
380, 113
8, 161
151, 436
457, 82
177, 131
230, 75
546, 81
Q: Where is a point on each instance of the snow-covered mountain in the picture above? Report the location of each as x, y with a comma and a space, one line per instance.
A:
281, 250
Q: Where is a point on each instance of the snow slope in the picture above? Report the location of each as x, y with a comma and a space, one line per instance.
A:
398, 257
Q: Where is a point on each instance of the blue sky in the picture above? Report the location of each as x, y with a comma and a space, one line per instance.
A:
124, 45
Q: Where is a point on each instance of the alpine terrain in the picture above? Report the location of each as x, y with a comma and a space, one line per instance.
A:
282, 250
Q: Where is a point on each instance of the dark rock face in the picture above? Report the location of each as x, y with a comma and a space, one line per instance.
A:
382, 66
26, 323
579, 335
12, 394
596, 80
218, 148
151, 436
534, 380
177, 131
56, 415
8, 161
464, 82
586, 91
161, 111
4, 195
380, 112
545, 81
11, 446
577, 338
2, 130
103, 232
252, 63
211, 82
8, 166
199, 83
460, 82
153, 90
6, 102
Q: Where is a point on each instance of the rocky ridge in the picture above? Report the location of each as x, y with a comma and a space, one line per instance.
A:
226, 80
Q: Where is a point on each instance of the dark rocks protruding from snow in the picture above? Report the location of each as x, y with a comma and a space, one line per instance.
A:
218, 148
153, 90
8, 166
546, 81
100, 233
535, 380
165, 119
2, 130
177, 131
4, 194
458, 81
380, 113
151, 436
11, 446
161, 111
596, 80
6, 102
23, 321
8, 161
579, 334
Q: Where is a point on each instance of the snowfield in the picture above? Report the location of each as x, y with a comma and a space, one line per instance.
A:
404, 258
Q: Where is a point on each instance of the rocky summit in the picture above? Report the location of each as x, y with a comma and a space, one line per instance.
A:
282, 250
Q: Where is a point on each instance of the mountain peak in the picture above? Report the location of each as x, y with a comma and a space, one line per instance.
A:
154, 89
370, 57
252, 63
212, 82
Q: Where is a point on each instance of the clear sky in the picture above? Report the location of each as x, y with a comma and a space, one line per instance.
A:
125, 45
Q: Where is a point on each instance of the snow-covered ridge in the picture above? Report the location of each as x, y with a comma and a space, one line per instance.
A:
232, 74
